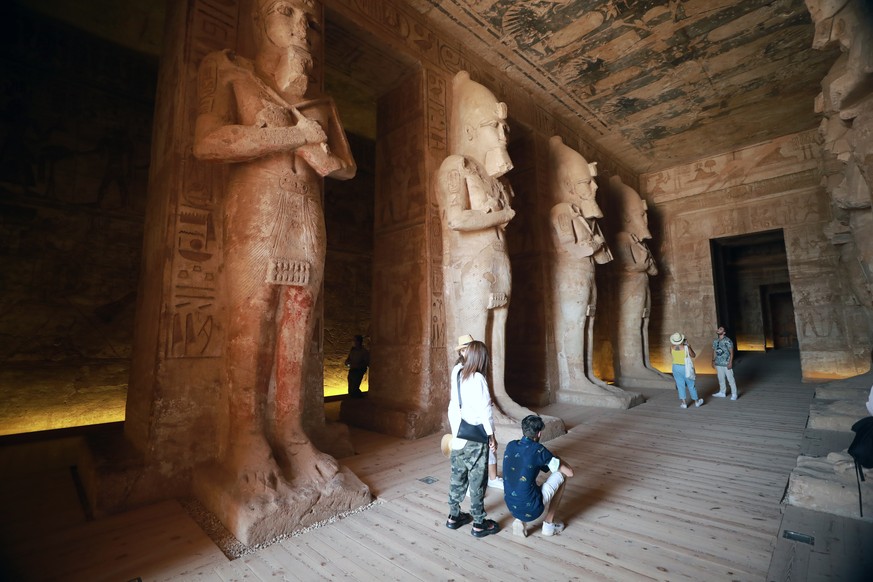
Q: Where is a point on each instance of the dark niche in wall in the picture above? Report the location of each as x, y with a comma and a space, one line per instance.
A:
349, 217
75, 132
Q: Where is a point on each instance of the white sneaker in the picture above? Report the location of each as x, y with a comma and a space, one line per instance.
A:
552, 529
733, 396
496, 483
698, 403
718, 395
683, 404
519, 528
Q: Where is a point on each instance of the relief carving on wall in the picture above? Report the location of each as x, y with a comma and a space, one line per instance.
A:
757, 163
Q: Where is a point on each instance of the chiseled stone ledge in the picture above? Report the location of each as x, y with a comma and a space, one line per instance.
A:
829, 485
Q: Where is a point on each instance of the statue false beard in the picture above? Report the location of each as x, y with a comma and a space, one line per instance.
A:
286, 70
289, 77
497, 162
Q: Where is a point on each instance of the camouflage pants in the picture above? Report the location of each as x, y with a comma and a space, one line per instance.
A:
469, 468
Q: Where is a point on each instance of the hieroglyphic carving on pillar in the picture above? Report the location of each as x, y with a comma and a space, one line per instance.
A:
194, 330
544, 122
213, 25
437, 299
437, 125
436, 91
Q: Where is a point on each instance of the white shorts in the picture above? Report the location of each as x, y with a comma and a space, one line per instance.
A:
551, 485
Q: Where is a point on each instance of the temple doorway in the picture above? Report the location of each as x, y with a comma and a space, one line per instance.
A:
752, 290
359, 71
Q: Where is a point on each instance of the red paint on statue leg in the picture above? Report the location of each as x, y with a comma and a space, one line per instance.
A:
295, 321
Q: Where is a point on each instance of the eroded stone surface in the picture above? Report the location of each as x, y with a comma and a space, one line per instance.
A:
846, 101
850, 393
829, 485
838, 415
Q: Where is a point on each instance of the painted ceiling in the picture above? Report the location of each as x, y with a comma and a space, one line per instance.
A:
655, 83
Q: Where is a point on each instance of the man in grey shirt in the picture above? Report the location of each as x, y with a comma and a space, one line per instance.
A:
723, 360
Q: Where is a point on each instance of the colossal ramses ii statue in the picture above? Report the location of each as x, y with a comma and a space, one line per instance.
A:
635, 300
578, 246
264, 118
475, 206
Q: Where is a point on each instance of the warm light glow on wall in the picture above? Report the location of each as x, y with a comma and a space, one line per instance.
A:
341, 387
36, 414
743, 346
819, 375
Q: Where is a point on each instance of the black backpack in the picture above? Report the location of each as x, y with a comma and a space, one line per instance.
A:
861, 450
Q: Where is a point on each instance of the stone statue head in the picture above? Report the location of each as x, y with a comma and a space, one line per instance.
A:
572, 178
634, 209
284, 32
479, 125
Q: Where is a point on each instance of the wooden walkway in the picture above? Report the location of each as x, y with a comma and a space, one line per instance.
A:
660, 493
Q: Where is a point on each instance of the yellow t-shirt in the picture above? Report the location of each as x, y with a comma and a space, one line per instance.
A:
679, 355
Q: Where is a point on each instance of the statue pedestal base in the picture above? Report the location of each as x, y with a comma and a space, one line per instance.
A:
117, 477
387, 418
652, 380
839, 415
509, 429
610, 397
829, 485
261, 512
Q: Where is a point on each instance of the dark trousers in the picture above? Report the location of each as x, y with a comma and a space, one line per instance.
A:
356, 375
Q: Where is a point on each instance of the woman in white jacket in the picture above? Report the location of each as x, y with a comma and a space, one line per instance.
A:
471, 401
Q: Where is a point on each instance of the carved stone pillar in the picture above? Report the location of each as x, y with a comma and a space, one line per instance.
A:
184, 419
408, 378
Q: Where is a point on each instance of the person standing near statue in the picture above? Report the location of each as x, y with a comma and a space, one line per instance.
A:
357, 362
493, 480
683, 369
470, 401
263, 117
723, 360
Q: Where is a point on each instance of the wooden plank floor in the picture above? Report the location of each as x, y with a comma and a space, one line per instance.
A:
660, 493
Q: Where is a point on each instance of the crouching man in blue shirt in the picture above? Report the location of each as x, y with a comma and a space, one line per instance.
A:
522, 462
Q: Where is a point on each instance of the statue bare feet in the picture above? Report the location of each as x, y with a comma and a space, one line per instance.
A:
254, 467
304, 464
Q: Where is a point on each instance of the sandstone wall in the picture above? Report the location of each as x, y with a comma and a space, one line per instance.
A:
75, 121
772, 185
